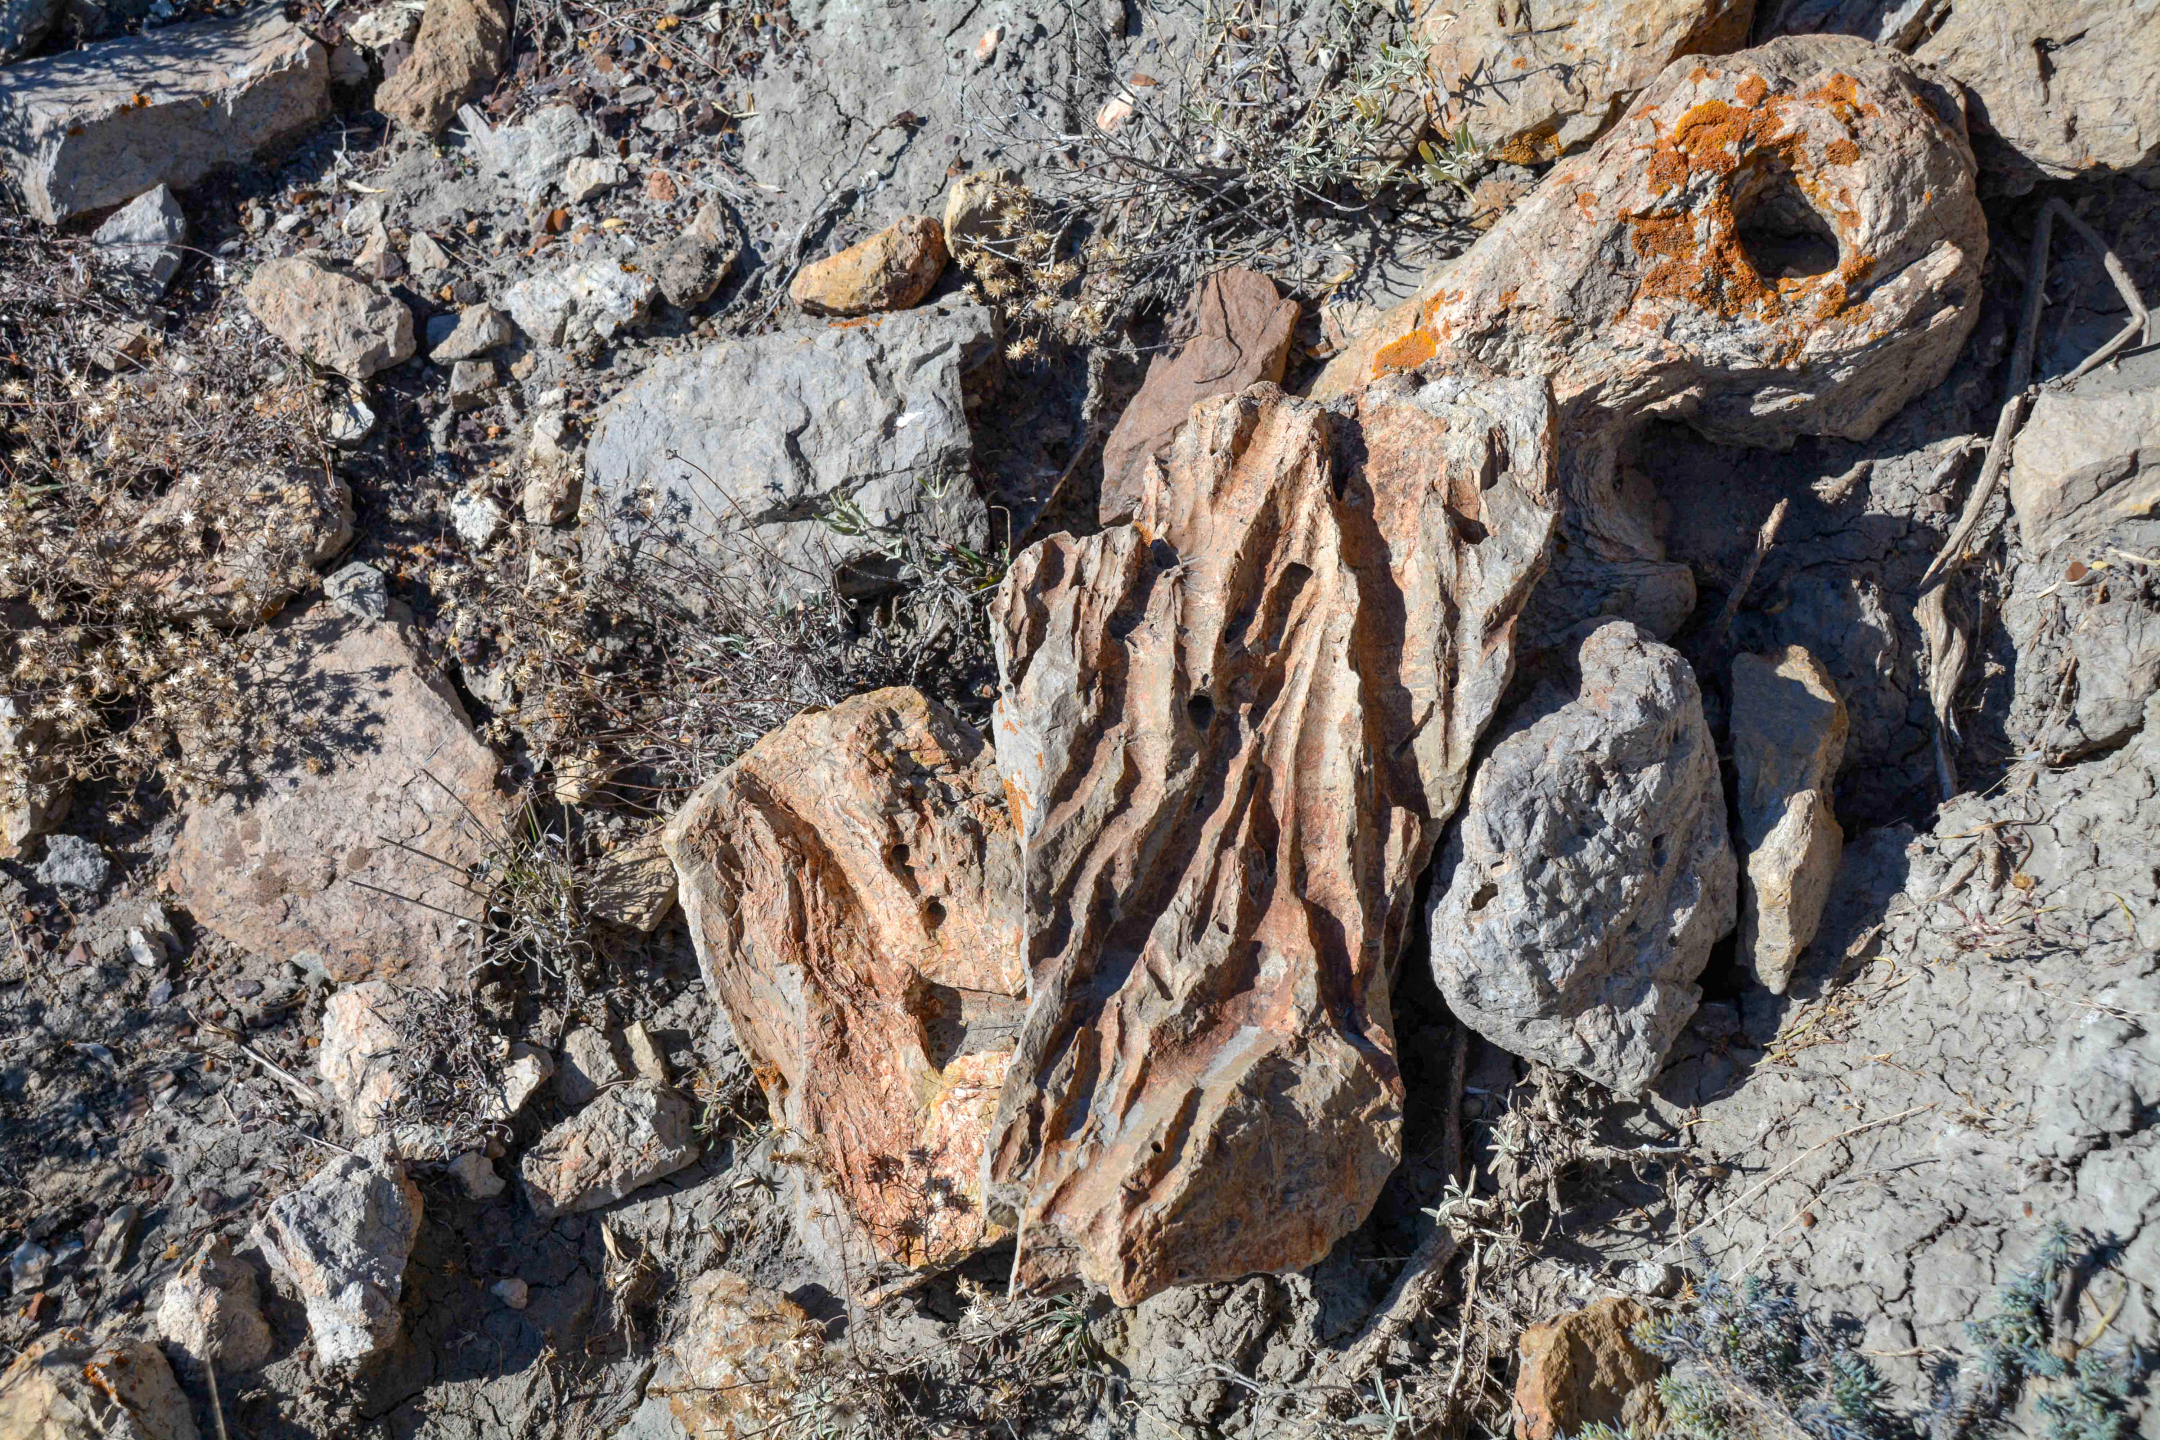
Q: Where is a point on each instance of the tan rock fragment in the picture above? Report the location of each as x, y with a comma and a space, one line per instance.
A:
367, 1032
1240, 334
634, 885
982, 208
1229, 731
64, 1387
1585, 1367
336, 321
891, 270
211, 1310
456, 57
1788, 738
741, 1357
631, 1136
1537, 82
852, 888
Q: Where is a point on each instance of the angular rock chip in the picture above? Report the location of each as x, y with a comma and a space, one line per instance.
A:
1240, 335
589, 1065
633, 886
341, 1242
536, 152
1229, 731
2088, 456
102, 125
742, 1355
456, 57
336, 321
300, 849
1591, 872
367, 1030
623, 1141
139, 246
730, 461
65, 1387
476, 330
852, 886
1534, 90
690, 267
1585, 1368
1788, 737
891, 270
591, 300
212, 1311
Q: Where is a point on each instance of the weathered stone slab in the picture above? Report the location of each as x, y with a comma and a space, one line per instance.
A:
1788, 738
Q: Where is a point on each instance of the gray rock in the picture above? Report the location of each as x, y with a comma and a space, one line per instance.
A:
747, 446
139, 247
350, 424
338, 322
36, 796
341, 1242
584, 178
471, 383
477, 519
424, 255
533, 154
1788, 738
628, 1138
23, 23
514, 1293
1591, 871
2088, 456
477, 1177
690, 267
589, 1065
360, 591
471, 333
589, 300
220, 91
212, 1311
28, 1265
73, 863
551, 496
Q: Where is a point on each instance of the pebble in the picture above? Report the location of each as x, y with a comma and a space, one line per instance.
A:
514, 1293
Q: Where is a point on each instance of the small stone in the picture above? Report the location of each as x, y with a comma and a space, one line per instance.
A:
983, 206
211, 1310
625, 1140
891, 270
424, 255
1654, 1278
588, 1066
1584, 1368
456, 57
350, 424
382, 27
514, 1293
28, 1267
377, 260
986, 44
551, 438
587, 176
477, 520
35, 798
472, 1171
645, 1056
140, 245
349, 66
110, 1251
1788, 739
360, 591
341, 1242
471, 382
535, 153
73, 863
146, 951
594, 298
529, 1068
690, 267
659, 188
633, 885
473, 332
329, 318
551, 496
367, 1032
65, 1387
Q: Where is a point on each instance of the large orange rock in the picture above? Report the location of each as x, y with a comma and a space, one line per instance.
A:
1584, 1367
852, 888
1229, 731
891, 270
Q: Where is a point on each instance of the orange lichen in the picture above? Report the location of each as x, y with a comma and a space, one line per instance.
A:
1752, 90
1411, 351
1840, 95
1841, 152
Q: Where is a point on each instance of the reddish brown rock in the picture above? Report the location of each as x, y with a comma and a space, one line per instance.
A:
1229, 731
891, 270
456, 57
1240, 331
316, 845
852, 888
1584, 1367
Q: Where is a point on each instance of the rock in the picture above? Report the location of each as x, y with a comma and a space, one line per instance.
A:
1584, 1368
741, 1356
384, 26
1534, 88
211, 1311
139, 247
514, 1293
593, 299
350, 424
478, 1180
360, 591
331, 319
645, 1055
529, 1067
73, 863
633, 886
378, 258
690, 267
218, 93
477, 519
629, 1137
534, 154
1656, 1278
29, 1266
1286, 659
369, 1037
232, 546
471, 383
341, 1242
982, 209
2088, 457
852, 887
891, 270
476, 330
551, 496
64, 1387
1240, 333
455, 58
746, 444
1496, 194
424, 255
551, 442
1788, 737
34, 789
1587, 958
589, 1065
293, 853
24, 23
586, 177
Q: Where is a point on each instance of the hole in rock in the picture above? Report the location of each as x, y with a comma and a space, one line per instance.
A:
1782, 235
900, 854
1202, 710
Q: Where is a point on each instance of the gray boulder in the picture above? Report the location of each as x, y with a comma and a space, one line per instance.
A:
795, 461
103, 124
139, 247
1591, 872
341, 1242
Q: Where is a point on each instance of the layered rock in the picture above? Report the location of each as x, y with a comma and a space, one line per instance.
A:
631, 1136
104, 124
63, 1386
1535, 86
852, 887
341, 1242
731, 465
1591, 872
1228, 732
351, 839
1788, 737
1240, 335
